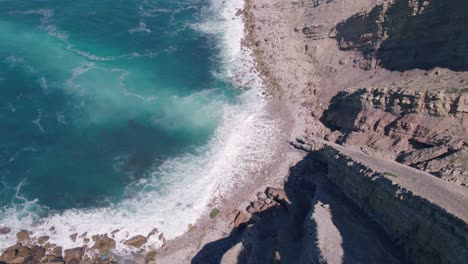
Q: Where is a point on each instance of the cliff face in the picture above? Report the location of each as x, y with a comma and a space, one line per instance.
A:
408, 34
424, 215
427, 130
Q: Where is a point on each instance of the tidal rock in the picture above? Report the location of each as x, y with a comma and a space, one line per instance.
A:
74, 254
103, 243
73, 237
152, 233
136, 241
23, 236
4, 230
42, 240
10, 253
57, 252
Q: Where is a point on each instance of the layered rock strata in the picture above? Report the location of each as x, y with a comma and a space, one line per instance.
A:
427, 130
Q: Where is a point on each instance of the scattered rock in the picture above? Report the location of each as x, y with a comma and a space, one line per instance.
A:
136, 241
4, 230
73, 237
114, 232
153, 232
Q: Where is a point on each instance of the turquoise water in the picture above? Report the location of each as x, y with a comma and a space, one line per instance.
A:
124, 115
96, 94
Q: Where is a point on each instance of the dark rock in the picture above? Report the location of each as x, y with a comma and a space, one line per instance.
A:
5, 230
73, 237
153, 232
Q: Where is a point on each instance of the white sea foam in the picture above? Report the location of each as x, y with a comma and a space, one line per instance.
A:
140, 28
180, 189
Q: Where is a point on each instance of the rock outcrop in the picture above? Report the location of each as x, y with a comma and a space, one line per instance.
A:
427, 130
408, 34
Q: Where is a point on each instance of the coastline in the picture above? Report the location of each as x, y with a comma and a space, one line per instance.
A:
273, 174
205, 230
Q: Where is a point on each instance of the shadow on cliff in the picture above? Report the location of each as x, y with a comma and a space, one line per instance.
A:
343, 111
273, 230
286, 233
425, 35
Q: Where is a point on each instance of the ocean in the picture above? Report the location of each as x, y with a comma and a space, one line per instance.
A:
123, 115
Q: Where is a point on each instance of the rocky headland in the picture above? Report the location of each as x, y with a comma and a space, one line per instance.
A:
373, 95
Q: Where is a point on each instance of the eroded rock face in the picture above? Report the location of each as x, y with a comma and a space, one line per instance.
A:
427, 130
408, 34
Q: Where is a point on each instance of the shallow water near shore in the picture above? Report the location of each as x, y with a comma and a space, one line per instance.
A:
123, 116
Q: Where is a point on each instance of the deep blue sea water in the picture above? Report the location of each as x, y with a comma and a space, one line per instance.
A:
107, 107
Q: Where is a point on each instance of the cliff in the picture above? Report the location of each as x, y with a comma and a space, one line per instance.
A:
408, 34
427, 130
424, 215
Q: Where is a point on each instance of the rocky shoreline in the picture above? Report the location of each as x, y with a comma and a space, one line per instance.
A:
323, 197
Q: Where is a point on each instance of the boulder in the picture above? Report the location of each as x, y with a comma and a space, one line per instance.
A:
73, 237
57, 252
103, 243
22, 236
5, 230
136, 241
23, 252
10, 253
153, 232
43, 239
73, 254
241, 218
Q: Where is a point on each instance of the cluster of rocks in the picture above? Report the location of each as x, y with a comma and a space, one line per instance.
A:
271, 197
41, 250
